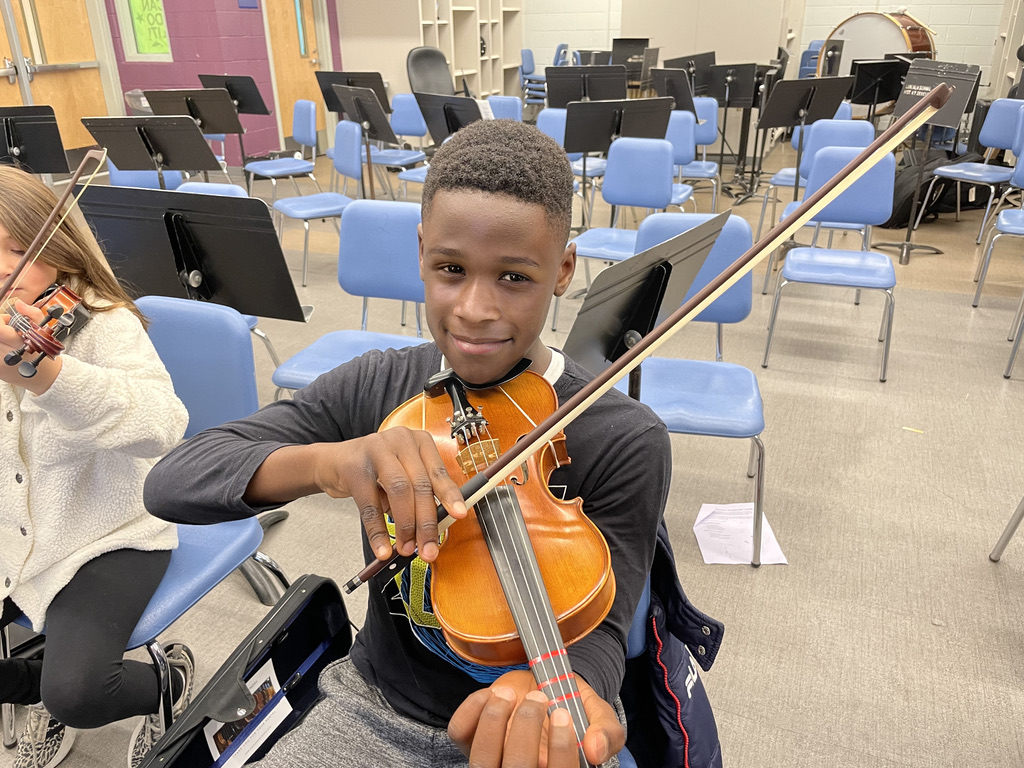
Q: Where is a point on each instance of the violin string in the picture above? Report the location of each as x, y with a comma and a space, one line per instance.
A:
7, 302
531, 611
531, 422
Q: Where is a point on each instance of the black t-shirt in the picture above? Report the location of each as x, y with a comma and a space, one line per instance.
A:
620, 466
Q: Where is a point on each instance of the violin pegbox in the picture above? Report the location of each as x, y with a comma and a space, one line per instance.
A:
64, 314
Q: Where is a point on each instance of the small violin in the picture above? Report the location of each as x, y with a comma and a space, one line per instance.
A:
64, 314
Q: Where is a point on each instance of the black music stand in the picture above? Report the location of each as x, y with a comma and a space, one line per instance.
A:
362, 106
698, 67
592, 126
877, 81
675, 84
590, 83
203, 247
732, 85
595, 57
32, 140
155, 143
242, 89
372, 80
629, 298
212, 108
795, 103
444, 115
629, 52
922, 76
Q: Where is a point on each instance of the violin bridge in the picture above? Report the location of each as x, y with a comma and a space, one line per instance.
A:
478, 455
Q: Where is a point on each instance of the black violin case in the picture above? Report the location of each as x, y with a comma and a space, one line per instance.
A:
305, 631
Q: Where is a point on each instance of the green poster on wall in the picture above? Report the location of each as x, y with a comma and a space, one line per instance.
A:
150, 26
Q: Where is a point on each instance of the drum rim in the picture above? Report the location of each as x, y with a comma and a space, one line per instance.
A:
892, 18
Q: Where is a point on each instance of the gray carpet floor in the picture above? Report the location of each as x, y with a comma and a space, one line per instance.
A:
889, 639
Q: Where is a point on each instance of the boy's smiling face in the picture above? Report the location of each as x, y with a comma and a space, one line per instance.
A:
491, 264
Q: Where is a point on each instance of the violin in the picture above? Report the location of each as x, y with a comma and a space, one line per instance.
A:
63, 307
64, 314
552, 581
471, 428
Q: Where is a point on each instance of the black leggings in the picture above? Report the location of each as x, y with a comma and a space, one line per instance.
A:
84, 680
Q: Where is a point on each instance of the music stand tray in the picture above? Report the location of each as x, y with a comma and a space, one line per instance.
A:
593, 82
211, 108
372, 80
444, 115
243, 91
629, 298
732, 84
698, 66
591, 126
161, 243
676, 85
153, 143
32, 140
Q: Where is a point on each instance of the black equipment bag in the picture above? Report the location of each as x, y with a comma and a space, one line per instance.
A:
305, 631
906, 184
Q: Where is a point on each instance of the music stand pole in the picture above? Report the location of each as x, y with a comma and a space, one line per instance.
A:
906, 247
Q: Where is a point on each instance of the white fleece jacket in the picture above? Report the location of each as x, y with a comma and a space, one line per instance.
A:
73, 460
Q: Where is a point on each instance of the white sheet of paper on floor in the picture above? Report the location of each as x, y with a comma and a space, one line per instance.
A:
725, 534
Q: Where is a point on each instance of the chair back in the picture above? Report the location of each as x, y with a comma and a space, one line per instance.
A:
428, 71
706, 132
207, 350
561, 55
209, 188
639, 173
681, 128
843, 112
734, 240
143, 179
834, 133
348, 147
406, 117
551, 122
304, 123
527, 65
867, 201
386, 229
509, 107
1000, 127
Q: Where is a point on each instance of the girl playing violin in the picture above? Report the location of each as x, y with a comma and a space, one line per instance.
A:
79, 554
497, 208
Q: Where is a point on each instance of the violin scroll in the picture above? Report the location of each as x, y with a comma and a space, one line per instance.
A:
64, 313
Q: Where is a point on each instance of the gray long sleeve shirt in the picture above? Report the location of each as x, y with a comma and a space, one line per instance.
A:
620, 466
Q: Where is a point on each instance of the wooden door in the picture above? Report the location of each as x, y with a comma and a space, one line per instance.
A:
296, 57
57, 37
10, 96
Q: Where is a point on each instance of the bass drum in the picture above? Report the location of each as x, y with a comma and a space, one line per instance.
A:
871, 35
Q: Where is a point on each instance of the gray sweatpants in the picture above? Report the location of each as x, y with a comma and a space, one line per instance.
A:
354, 727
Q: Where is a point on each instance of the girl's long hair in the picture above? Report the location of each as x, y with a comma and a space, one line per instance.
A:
25, 202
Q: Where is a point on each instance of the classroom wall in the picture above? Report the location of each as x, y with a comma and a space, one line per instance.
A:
222, 39
581, 24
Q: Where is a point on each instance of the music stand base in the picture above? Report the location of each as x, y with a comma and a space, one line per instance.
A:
906, 248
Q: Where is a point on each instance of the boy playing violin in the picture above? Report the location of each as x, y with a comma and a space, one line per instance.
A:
497, 207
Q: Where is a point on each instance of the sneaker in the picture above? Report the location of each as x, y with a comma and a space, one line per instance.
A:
43, 742
151, 728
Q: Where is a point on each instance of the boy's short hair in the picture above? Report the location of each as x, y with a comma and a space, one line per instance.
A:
505, 157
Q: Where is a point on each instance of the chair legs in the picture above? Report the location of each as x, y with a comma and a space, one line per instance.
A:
755, 469
983, 267
884, 334
1011, 528
270, 347
7, 714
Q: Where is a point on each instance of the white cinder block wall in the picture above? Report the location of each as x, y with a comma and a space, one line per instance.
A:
965, 31
581, 24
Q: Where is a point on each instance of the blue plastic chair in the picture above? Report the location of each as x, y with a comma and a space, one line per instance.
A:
387, 230
551, 122
507, 107
703, 397
406, 117
639, 174
304, 132
347, 160
680, 134
143, 179
532, 83
867, 202
705, 134
999, 131
823, 133
232, 190
1009, 223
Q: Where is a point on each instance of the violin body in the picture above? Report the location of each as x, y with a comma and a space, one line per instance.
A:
466, 595
63, 314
